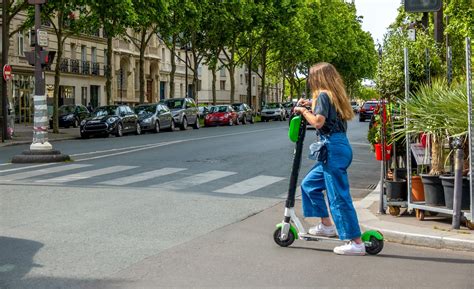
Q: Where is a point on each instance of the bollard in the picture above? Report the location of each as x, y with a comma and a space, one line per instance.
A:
458, 167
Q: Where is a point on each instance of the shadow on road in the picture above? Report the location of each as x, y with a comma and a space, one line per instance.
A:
429, 259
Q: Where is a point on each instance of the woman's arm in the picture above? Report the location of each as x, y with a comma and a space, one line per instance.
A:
316, 121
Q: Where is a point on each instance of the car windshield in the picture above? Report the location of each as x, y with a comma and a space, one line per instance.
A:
221, 108
142, 109
288, 104
174, 104
236, 106
368, 105
105, 110
353, 103
66, 109
271, 105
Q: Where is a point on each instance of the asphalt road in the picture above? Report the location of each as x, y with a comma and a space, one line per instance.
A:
134, 211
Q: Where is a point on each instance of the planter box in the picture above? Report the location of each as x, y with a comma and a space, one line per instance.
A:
396, 190
448, 185
434, 193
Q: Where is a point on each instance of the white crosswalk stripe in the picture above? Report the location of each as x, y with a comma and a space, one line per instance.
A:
87, 174
142, 177
194, 180
249, 185
40, 172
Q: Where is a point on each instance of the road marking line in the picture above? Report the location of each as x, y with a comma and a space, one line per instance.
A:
27, 167
194, 180
86, 175
142, 177
6, 164
249, 185
40, 172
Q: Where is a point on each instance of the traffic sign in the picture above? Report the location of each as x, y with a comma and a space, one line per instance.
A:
42, 38
423, 5
34, 2
7, 72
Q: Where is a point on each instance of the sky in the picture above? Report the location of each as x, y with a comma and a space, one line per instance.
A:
378, 15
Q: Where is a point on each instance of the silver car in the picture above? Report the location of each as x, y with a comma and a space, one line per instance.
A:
274, 111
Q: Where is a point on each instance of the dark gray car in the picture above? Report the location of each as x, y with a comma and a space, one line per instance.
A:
184, 112
154, 117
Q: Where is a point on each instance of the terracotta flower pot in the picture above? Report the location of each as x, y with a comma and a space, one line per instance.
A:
417, 190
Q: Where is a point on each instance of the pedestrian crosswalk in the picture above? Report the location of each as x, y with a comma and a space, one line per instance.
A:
167, 178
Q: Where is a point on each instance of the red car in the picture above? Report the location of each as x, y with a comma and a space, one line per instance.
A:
221, 114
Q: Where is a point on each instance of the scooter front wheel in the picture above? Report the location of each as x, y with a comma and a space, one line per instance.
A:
375, 247
283, 243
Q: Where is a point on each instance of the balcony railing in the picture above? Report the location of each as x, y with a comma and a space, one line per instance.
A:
74, 66
95, 68
64, 65
86, 67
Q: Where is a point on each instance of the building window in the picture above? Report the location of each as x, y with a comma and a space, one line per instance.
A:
200, 71
105, 56
163, 54
222, 84
84, 53
222, 71
137, 76
199, 85
253, 80
21, 44
93, 55
241, 79
84, 95
73, 51
246, 79
180, 90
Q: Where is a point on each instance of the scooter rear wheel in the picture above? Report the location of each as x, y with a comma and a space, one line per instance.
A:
375, 247
283, 243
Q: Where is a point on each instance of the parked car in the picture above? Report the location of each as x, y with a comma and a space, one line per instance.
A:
154, 117
244, 111
274, 111
289, 107
184, 112
110, 119
70, 115
367, 110
203, 111
355, 106
221, 115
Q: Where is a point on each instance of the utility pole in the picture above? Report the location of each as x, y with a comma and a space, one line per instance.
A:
41, 151
5, 43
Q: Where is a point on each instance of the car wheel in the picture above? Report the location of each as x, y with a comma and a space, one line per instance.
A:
252, 119
184, 125
157, 126
138, 131
244, 120
119, 130
231, 122
84, 136
196, 124
237, 121
76, 123
172, 126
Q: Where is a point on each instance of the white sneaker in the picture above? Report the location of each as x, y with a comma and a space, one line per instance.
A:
323, 230
351, 248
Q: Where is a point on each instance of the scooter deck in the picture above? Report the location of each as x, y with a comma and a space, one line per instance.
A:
309, 237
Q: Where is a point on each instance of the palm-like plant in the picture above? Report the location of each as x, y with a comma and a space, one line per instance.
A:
439, 111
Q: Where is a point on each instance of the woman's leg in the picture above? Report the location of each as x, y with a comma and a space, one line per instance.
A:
312, 188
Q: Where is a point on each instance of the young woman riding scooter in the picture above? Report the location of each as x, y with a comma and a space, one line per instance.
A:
331, 109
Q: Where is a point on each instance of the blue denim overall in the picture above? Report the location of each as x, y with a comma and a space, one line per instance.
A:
332, 177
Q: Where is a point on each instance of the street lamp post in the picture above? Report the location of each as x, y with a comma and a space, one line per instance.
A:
5, 31
41, 151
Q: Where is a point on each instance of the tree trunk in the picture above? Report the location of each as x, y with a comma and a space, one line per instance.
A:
108, 82
264, 73
141, 65
437, 166
249, 71
57, 72
214, 77
173, 66
195, 76
232, 82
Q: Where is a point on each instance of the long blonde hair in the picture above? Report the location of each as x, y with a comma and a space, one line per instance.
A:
323, 77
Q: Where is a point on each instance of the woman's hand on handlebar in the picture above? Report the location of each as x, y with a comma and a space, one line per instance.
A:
300, 109
303, 102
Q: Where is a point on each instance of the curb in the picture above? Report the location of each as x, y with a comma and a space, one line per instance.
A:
22, 142
392, 232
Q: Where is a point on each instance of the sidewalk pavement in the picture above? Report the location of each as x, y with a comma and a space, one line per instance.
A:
434, 232
23, 134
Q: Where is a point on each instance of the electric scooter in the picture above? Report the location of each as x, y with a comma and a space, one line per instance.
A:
291, 228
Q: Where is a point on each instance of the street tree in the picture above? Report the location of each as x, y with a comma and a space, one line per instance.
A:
145, 26
114, 16
67, 18
13, 8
